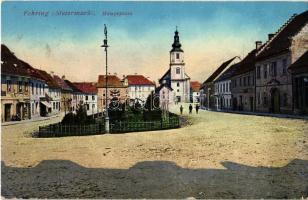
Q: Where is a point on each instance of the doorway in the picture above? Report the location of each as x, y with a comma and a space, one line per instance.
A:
275, 100
7, 112
251, 103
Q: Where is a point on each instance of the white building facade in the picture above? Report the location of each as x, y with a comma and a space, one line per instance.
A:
175, 77
223, 95
139, 88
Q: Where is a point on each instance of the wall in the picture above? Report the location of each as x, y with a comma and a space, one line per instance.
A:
244, 92
123, 91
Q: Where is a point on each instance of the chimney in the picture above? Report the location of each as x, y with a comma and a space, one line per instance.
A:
63, 77
135, 73
115, 74
258, 44
52, 73
270, 36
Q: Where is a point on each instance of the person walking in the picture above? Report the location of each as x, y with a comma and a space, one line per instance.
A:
190, 108
181, 109
197, 108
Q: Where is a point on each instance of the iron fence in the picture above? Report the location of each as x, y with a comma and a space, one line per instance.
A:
61, 130
135, 126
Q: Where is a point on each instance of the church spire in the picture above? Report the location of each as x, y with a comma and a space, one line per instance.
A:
176, 46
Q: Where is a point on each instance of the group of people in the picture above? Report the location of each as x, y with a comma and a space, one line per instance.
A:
190, 107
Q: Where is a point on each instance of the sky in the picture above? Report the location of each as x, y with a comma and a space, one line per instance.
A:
141, 38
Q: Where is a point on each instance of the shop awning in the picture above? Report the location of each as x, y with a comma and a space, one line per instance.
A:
48, 105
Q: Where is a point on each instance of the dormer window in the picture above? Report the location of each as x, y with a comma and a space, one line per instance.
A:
178, 70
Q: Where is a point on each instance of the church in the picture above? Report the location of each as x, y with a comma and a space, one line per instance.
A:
175, 79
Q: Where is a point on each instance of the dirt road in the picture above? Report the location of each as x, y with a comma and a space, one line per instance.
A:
219, 156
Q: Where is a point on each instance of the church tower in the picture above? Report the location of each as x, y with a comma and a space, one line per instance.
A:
179, 79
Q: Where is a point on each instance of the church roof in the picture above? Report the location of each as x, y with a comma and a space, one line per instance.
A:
161, 86
176, 46
166, 76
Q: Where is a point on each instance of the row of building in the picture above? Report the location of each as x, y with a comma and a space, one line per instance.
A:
28, 92
273, 77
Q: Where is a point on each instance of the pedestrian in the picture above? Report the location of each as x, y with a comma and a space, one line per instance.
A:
197, 108
181, 109
190, 108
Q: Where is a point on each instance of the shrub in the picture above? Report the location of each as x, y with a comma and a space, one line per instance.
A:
79, 118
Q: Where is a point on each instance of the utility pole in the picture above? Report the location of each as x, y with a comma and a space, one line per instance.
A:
105, 45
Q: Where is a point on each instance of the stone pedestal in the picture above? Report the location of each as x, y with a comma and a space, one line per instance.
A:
107, 127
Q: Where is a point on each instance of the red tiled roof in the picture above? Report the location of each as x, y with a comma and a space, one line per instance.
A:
113, 81
282, 40
86, 87
195, 86
138, 80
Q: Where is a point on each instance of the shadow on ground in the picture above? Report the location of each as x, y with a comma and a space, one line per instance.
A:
154, 179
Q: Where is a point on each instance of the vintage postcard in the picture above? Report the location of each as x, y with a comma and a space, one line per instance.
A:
154, 100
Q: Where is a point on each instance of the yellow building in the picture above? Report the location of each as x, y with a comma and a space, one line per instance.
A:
15, 95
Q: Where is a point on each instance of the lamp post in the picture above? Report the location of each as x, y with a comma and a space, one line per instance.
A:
106, 79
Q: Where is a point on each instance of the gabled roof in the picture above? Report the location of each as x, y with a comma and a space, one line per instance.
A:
281, 41
33, 72
10, 64
113, 81
71, 85
86, 87
14, 66
219, 70
138, 80
51, 82
300, 65
62, 83
195, 86
228, 73
247, 64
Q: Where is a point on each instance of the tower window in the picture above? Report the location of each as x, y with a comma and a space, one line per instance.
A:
177, 56
178, 70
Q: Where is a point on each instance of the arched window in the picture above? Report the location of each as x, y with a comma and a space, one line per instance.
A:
178, 70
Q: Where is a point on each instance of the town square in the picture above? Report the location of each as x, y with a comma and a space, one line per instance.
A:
168, 100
